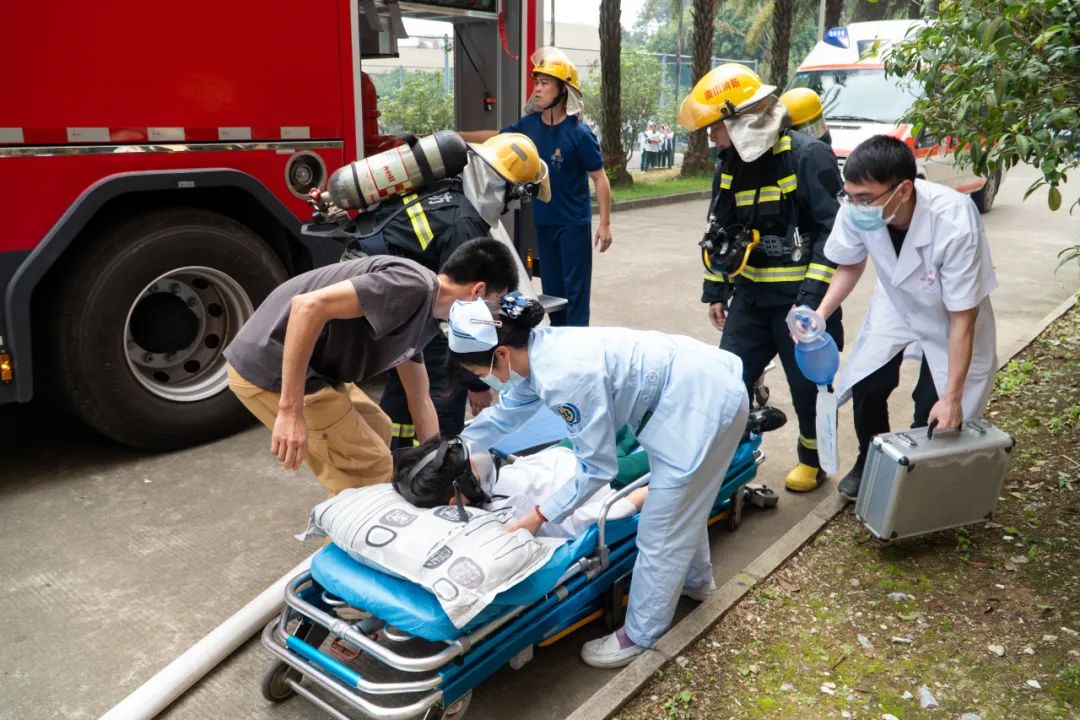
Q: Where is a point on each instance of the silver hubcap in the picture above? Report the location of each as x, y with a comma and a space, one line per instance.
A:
177, 329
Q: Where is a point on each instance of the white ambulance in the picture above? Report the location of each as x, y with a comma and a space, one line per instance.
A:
846, 70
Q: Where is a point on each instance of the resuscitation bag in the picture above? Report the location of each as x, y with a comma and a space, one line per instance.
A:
818, 358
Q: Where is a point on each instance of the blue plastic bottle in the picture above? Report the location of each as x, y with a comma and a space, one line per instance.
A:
816, 353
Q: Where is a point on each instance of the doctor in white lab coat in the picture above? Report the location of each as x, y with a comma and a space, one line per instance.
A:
935, 277
686, 403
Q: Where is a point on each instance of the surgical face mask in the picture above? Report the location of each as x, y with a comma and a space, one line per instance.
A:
490, 380
871, 217
499, 385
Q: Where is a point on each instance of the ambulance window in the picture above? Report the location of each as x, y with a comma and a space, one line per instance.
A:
859, 95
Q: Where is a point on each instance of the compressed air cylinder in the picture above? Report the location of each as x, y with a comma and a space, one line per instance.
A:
363, 184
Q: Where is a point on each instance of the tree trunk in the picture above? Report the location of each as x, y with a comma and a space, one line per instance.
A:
611, 93
780, 52
698, 160
833, 10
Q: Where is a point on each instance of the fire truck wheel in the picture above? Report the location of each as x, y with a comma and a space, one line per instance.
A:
143, 315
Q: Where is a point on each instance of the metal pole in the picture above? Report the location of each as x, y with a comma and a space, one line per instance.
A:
552, 43
663, 78
678, 56
446, 64
821, 21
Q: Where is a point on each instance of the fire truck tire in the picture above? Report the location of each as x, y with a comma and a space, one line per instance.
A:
142, 315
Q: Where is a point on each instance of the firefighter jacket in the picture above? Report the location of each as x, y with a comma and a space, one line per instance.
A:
789, 196
426, 227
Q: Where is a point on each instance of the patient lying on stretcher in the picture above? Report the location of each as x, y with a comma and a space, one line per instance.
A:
442, 472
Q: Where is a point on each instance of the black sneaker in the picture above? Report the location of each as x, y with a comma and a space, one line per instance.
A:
849, 486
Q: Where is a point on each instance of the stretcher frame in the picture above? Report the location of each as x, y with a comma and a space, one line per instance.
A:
448, 676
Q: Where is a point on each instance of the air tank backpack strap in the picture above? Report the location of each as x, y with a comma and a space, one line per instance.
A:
421, 160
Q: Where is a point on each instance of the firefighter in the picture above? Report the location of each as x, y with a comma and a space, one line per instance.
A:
807, 116
773, 204
552, 119
427, 227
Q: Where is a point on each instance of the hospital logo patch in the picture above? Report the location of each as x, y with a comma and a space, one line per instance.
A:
570, 414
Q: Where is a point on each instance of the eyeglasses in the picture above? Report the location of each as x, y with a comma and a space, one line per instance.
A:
844, 199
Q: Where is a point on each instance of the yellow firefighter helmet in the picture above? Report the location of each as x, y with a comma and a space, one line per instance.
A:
804, 107
515, 158
723, 92
554, 62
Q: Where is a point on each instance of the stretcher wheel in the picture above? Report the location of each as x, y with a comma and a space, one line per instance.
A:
274, 688
763, 497
455, 711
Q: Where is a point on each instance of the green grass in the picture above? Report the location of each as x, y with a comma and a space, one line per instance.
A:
658, 183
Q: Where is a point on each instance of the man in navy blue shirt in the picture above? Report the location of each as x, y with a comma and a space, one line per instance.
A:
572, 153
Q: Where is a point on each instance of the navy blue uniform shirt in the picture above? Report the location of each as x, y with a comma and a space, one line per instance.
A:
571, 152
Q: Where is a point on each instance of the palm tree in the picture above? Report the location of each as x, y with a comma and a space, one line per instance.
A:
611, 93
780, 51
698, 160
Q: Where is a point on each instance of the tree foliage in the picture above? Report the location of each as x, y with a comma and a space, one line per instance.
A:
1002, 78
420, 106
639, 100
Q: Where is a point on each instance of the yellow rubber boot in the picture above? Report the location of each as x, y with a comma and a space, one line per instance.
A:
804, 478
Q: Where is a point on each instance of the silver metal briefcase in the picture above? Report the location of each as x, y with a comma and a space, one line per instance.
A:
913, 484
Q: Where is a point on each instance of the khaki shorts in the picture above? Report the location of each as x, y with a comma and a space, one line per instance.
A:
348, 434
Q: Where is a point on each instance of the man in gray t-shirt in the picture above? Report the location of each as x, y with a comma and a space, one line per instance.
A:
295, 362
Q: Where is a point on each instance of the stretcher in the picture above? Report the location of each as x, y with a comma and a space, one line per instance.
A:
382, 647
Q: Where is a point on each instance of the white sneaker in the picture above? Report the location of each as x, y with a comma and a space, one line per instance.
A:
605, 652
701, 594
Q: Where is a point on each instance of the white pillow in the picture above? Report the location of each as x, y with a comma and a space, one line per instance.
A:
464, 564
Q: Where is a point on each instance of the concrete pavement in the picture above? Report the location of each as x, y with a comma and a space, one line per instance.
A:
116, 561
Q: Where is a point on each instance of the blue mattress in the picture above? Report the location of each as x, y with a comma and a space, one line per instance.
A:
411, 608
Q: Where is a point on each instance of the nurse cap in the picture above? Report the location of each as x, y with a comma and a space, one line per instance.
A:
472, 328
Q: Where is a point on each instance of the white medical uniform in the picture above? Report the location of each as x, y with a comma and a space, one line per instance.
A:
944, 266
599, 379
530, 480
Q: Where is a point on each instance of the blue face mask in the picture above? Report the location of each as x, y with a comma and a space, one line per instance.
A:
871, 217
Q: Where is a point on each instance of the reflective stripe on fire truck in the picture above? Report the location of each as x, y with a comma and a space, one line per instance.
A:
234, 133
165, 134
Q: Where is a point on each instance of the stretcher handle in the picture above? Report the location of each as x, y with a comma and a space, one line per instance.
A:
601, 522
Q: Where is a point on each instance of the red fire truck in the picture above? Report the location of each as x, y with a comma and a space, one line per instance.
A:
154, 164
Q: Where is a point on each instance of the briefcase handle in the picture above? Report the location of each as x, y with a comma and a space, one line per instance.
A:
957, 429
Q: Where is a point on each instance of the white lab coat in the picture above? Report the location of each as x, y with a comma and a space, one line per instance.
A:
944, 266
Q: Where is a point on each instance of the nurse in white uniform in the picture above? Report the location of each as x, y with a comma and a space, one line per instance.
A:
684, 398
935, 277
